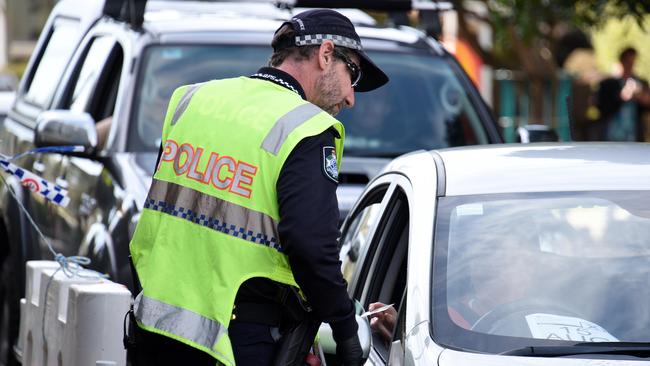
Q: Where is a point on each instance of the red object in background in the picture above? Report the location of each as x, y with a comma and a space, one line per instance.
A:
470, 60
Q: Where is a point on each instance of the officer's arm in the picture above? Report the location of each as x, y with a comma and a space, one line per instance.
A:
309, 230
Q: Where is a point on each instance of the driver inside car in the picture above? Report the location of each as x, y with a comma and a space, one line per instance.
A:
509, 294
506, 294
499, 274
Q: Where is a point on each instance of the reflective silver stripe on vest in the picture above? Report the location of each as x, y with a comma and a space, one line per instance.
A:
213, 213
178, 321
286, 124
184, 102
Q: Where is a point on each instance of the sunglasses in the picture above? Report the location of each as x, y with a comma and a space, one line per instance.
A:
353, 69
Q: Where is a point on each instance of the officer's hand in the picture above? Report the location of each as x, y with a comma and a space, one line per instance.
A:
349, 351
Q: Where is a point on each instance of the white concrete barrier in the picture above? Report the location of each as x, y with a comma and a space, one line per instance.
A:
75, 322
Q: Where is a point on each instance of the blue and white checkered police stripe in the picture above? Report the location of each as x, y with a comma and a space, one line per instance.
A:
315, 39
48, 190
54, 195
214, 223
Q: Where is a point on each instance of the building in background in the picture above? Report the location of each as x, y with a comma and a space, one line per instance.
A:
21, 22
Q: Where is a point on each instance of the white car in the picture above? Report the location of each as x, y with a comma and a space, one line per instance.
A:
509, 255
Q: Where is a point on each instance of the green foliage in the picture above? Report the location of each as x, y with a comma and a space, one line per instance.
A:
533, 23
535, 18
610, 38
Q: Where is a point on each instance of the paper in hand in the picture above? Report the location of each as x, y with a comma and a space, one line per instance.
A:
378, 310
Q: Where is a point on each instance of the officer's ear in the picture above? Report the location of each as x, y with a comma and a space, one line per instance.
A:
326, 54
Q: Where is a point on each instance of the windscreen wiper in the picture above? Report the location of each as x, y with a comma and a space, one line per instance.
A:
600, 348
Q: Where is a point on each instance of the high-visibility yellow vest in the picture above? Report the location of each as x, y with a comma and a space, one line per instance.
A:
210, 221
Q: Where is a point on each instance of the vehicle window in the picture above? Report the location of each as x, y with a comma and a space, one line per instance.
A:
390, 121
52, 62
541, 269
358, 233
386, 281
435, 113
91, 78
164, 69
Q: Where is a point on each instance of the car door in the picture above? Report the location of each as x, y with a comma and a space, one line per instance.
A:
66, 26
380, 266
93, 86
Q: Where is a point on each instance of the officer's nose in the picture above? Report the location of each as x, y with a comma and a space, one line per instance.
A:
349, 99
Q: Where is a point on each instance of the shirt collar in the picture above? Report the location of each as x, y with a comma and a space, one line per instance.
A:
281, 78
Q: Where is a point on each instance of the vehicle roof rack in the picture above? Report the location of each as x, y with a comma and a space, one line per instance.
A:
379, 5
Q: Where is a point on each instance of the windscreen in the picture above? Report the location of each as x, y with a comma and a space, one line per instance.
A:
542, 269
424, 106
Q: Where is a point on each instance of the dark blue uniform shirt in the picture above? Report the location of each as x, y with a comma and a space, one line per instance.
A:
308, 227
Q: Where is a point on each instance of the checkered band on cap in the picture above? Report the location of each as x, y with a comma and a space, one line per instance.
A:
315, 39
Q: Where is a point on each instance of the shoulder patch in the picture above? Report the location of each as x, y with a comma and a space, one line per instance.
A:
330, 165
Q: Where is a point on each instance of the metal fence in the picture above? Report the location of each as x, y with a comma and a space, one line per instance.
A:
521, 100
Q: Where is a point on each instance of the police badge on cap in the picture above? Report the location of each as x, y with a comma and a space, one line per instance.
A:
330, 166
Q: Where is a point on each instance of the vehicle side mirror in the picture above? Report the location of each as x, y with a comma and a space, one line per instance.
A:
536, 133
326, 339
63, 128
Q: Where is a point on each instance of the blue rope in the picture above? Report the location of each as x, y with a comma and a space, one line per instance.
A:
71, 266
49, 149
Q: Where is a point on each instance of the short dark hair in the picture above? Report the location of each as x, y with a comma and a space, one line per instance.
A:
627, 52
281, 53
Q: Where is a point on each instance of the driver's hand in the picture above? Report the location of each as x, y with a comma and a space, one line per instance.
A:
384, 322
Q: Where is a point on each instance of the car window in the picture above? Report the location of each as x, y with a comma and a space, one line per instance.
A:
94, 77
358, 235
358, 232
436, 112
52, 62
386, 280
541, 269
164, 68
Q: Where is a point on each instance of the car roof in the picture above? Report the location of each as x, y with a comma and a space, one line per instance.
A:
169, 18
553, 167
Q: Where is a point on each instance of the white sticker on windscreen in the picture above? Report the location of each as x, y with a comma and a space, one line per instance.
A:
469, 209
566, 328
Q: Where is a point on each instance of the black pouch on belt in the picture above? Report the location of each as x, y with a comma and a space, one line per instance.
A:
298, 339
295, 343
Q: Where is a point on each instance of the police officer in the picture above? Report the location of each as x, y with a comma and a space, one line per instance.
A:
237, 242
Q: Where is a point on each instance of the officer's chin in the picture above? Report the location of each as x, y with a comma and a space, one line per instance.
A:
333, 111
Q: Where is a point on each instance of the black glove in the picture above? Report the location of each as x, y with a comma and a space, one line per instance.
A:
349, 351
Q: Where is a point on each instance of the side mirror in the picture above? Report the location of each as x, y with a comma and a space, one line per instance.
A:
63, 127
326, 339
536, 133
